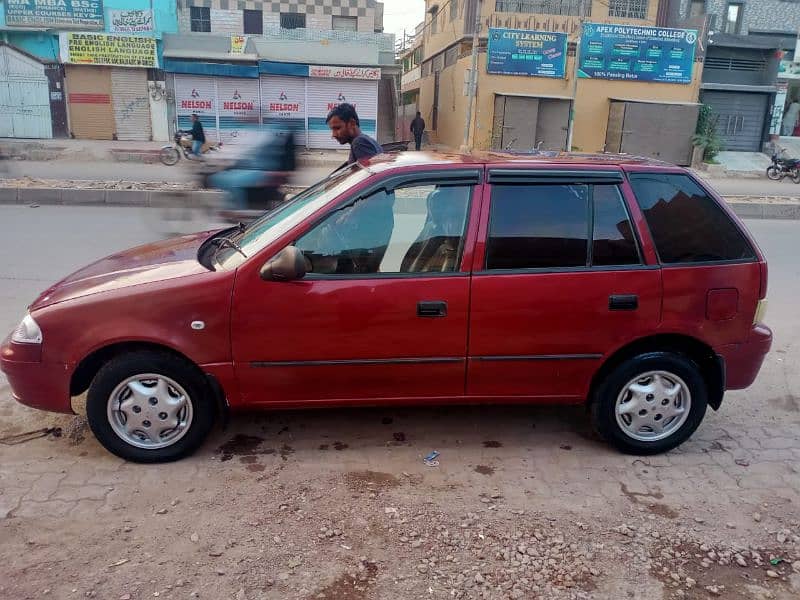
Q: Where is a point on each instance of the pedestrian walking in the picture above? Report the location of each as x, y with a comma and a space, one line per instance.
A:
198, 136
418, 128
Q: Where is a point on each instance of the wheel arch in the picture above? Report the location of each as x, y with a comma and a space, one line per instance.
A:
712, 366
86, 370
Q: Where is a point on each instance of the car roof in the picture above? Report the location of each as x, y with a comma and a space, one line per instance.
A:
540, 159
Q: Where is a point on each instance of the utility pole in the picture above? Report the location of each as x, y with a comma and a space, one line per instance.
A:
473, 78
571, 126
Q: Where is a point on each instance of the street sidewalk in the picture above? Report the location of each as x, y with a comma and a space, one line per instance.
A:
144, 152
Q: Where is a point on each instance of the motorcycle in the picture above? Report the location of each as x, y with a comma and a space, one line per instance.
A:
182, 144
784, 167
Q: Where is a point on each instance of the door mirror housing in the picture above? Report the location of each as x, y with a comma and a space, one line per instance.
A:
288, 265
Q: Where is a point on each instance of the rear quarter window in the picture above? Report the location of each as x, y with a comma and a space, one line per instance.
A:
687, 225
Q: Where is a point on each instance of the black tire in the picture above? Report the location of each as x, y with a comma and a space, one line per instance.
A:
796, 176
774, 173
169, 156
604, 401
185, 374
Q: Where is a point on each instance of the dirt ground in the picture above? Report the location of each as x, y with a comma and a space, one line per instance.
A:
338, 505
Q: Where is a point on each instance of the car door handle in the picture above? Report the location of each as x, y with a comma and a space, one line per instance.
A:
432, 309
623, 302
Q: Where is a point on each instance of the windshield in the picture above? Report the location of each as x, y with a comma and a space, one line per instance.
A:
274, 224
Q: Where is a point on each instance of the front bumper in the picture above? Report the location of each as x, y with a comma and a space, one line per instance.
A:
743, 361
35, 383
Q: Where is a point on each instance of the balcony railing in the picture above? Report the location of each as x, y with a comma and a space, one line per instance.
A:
545, 7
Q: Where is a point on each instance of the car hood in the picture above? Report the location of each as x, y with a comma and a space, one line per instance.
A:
159, 261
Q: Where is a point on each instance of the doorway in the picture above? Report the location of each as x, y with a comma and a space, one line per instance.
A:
525, 124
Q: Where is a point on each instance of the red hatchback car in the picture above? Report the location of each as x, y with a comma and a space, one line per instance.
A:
417, 278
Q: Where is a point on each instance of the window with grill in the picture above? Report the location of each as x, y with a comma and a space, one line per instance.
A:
545, 7
345, 23
451, 56
434, 23
438, 63
733, 18
453, 10
200, 18
426, 68
293, 21
253, 22
628, 9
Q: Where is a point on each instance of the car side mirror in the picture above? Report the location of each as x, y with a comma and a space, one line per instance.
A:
288, 265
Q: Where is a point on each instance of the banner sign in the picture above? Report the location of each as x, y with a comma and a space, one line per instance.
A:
633, 53
366, 73
238, 42
130, 21
72, 14
531, 53
113, 50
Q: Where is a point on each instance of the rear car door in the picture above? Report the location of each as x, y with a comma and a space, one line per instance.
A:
560, 280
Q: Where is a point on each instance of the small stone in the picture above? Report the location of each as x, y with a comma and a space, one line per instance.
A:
194, 537
162, 511
796, 566
772, 574
283, 576
781, 537
479, 578
730, 525
713, 590
175, 502
416, 544
215, 553
757, 517
125, 597
276, 539
690, 583
741, 561
699, 520
422, 568
240, 595
189, 490
220, 572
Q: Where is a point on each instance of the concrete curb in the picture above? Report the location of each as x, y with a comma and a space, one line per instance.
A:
162, 198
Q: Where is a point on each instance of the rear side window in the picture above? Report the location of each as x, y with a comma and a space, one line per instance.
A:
548, 227
538, 227
687, 225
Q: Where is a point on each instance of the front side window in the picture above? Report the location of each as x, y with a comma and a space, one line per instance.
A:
253, 22
629, 9
548, 227
413, 229
345, 23
733, 18
293, 20
687, 225
200, 18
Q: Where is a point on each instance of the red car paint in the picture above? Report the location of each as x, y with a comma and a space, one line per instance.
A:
360, 341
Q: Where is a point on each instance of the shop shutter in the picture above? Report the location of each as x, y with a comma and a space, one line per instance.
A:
325, 94
131, 103
239, 107
283, 105
196, 94
89, 98
24, 97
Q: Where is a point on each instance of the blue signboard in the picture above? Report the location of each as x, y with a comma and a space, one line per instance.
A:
533, 53
633, 53
63, 14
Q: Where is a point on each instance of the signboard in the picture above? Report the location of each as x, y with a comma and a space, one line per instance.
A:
366, 73
130, 21
72, 14
113, 50
789, 70
238, 42
531, 53
633, 53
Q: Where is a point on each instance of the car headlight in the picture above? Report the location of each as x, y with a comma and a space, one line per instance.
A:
28, 332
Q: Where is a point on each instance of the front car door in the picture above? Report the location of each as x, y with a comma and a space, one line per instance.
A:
382, 313
560, 280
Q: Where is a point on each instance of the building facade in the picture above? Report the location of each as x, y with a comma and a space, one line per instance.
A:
750, 77
248, 66
632, 87
410, 56
98, 73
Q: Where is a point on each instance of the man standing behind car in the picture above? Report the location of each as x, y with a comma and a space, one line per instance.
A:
198, 135
345, 128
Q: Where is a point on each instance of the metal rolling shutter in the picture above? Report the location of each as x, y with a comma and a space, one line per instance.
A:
324, 94
24, 97
131, 104
89, 97
196, 94
239, 108
740, 118
283, 105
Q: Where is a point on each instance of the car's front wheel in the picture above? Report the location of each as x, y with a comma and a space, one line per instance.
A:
650, 403
150, 407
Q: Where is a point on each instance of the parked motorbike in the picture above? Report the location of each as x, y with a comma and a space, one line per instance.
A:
784, 167
182, 144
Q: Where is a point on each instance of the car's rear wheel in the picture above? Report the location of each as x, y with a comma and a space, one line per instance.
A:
150, 407
650, 403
